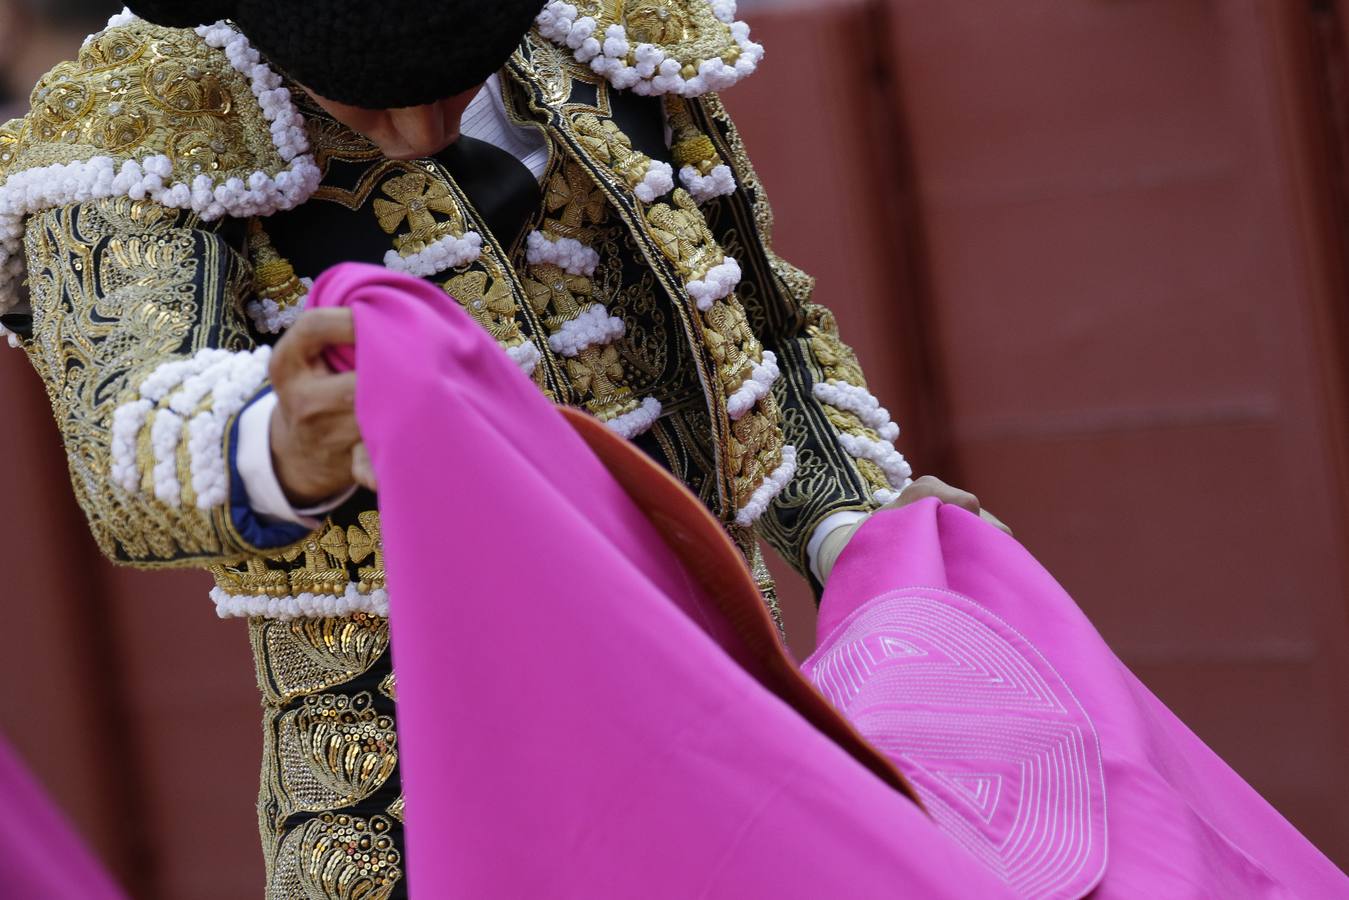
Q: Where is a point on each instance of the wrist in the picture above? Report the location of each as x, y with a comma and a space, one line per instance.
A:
300, 479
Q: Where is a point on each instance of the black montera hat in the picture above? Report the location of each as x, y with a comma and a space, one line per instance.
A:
376, 55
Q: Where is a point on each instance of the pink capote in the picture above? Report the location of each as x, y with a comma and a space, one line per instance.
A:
43, 858
568, 724
574, 719
1181, 823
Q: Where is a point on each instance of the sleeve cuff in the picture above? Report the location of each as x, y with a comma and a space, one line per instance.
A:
823, 530
255, 528
254, 465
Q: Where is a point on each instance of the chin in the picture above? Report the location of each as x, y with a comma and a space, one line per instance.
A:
422, 152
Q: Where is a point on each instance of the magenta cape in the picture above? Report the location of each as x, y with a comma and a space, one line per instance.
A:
43, 857
987, 646
579, 714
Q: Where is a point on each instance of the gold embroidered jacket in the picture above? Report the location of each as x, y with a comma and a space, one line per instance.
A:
169, 195
622, 294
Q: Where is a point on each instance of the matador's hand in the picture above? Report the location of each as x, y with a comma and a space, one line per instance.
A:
316, 443
921, 489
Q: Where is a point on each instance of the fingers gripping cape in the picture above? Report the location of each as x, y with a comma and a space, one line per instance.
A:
592, 702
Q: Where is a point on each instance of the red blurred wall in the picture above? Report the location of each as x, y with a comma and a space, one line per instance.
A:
1093, 257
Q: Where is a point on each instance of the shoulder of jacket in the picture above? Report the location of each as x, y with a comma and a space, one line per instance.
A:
193, 119
684, 48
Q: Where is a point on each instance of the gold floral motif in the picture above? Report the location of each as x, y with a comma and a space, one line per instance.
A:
141, 89
683, 236
574, 201
324, 570
342, 743
303, 656
489, 301
610, 146
365, 540
836, 358
336, 856
732, 344
415, 198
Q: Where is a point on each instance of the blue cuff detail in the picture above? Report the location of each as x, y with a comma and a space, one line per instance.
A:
261, 534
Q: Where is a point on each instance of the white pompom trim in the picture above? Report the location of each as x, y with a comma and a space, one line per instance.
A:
884, 496
717, 183
526, 356
718, 283
569, 254
657, 182
10, 337
127, 421
896, 468
450, 252
269, 317
654, 73
764, 494
165, 434
306, 605
756, 387
230, 379
593, 326
32, 190
861, 403
629, 425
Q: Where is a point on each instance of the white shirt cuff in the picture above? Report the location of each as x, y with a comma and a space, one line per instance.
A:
823, 530
253, 459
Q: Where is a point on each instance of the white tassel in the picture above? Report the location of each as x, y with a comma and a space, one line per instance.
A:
718, 283
756, 387
526, 356
764, 494
629, 425
230, 379
892, 462
861, 403
717, 183
567, 253
450, 252
593, 326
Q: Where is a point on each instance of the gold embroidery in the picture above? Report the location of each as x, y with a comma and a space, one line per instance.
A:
303, 656
573, 193
612, 147
274, 277
395, 808
682, 234
686, 30
141, 89
689, 145
415, 198
336, 750
363, 542
117, 288
337, 857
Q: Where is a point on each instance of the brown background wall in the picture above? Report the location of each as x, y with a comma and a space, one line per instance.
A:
1093, 256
